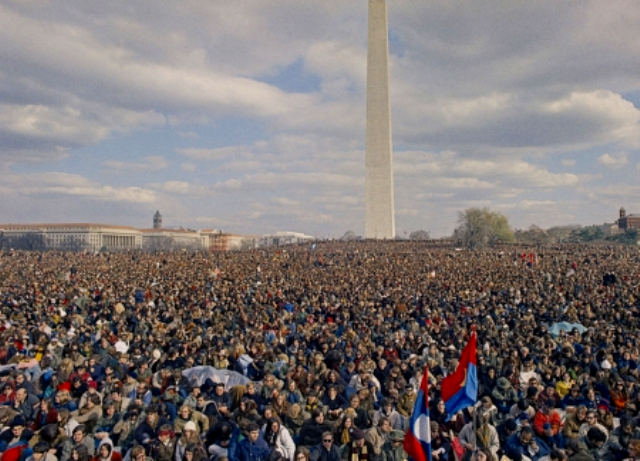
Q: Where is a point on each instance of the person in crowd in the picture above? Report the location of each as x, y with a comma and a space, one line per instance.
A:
359, 449
253, 447
80, 440
137, 331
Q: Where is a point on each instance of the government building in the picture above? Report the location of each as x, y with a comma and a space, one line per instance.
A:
104, 237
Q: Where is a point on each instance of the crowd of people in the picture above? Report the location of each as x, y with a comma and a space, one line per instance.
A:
330, 342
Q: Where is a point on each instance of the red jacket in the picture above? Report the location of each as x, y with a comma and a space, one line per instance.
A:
541, 419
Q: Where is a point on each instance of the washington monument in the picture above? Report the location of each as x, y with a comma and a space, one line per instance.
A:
379, 209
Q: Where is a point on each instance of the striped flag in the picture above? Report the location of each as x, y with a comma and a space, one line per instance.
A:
417, 440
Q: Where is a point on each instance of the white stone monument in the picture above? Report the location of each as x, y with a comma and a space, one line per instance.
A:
379, 208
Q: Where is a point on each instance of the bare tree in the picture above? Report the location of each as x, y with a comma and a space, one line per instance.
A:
419, 235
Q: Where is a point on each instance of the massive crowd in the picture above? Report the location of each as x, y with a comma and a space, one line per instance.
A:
330, 343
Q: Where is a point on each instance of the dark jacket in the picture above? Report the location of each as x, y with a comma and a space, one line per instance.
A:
145, 432
320, 453
311, 432
256, 451
515, 449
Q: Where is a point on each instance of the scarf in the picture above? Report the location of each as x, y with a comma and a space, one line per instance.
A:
345, 436
358, 453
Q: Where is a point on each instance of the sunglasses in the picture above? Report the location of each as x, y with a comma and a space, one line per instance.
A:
327, 440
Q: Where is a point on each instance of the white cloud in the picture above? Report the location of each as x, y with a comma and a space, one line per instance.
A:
261, 106
79, 187
150, 163
613, 160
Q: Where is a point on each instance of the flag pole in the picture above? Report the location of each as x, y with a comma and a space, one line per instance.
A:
475, 405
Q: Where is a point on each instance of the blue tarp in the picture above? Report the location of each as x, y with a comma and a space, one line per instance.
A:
567, 327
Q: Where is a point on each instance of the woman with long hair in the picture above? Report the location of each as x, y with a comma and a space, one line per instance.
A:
194, 452
278, 438
344, 428
280, 406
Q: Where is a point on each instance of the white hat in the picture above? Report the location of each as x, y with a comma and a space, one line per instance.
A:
190, 426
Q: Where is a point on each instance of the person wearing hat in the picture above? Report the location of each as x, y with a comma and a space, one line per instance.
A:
359, 448
189, 436
393, 449
504, 395
572, 399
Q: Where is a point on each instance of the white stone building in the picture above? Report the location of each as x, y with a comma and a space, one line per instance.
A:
285, 238
76, 237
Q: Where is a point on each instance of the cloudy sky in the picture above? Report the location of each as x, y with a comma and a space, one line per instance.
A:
249, 115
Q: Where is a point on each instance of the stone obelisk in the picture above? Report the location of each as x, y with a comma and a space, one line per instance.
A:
379, 208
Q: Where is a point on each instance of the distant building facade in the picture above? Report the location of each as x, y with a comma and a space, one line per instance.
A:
216, 240
172, 239
104, 237
628, 221
285, 238
72, 237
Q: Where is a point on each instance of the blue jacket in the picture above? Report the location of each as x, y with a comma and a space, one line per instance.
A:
515, 448
256, 451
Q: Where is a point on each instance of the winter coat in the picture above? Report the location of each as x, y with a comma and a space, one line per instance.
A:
391, 453
376, 438
252, 451
200, 420
283, 442
572, 426
504, 392
319, 453
181, 445
163, 451
311, 432
113, 455
69, 444
542, 418
514, 448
